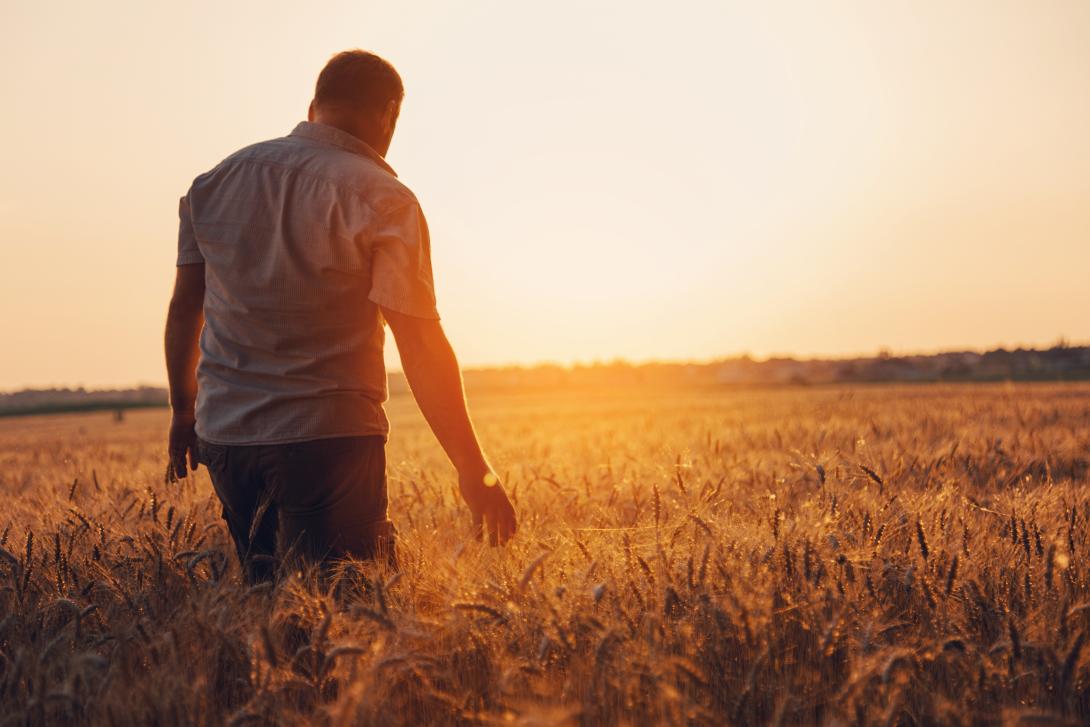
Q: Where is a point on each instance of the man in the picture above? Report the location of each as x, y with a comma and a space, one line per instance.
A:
291, 254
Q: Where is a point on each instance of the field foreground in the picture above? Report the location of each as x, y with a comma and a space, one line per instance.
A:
904, 555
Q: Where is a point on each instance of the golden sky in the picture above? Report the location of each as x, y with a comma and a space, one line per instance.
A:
602, 179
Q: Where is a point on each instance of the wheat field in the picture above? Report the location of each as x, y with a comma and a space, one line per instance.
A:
866, 555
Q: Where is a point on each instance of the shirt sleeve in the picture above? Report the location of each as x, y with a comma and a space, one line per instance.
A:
188, 252
401, 277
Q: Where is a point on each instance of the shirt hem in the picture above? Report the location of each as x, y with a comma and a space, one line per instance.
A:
289, 439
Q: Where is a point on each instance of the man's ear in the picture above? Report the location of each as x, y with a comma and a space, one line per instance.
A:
389, 115
310, 112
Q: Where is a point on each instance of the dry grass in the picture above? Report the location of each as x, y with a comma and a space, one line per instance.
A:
876, 555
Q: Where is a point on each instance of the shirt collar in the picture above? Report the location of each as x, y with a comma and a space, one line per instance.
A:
344, 140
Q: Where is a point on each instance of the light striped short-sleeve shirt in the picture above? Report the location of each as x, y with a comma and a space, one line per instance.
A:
303, 238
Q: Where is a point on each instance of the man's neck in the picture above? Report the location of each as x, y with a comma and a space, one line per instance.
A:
367, 136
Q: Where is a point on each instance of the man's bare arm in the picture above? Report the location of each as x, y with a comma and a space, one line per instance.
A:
185, 318
436, 381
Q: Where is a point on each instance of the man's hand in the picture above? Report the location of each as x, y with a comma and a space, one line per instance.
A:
182, 444
491, 509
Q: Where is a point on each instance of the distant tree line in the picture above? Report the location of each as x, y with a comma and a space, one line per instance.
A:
1061, 362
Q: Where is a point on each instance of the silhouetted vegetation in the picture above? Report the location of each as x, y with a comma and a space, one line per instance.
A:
1059, 363
843, 555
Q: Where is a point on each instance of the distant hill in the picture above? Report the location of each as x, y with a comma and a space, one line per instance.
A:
1059, 363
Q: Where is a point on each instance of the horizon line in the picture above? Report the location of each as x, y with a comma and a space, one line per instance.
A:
881, 351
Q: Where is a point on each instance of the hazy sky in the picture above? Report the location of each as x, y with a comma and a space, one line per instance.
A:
641, 180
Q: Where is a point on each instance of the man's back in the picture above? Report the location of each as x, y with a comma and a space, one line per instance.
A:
302, 237
292, 255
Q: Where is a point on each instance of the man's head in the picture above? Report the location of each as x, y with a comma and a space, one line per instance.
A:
360, 93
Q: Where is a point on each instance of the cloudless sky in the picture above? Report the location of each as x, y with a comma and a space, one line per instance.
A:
602, 179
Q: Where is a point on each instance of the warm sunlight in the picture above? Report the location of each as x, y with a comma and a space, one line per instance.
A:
601, 180
704, 362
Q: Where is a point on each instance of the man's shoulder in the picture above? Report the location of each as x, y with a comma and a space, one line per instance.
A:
396, 193
353, 175
355, 172
255, 151
360, 179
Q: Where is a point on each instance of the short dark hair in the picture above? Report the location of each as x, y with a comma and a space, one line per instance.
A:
358, 79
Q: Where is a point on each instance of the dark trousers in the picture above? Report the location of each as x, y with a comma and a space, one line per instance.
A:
316, 501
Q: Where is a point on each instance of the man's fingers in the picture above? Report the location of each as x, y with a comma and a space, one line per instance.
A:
503, 526
177, 462
492, 521
505, 520
503, 531
497, 518
193, 462
512, 519
510, 525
